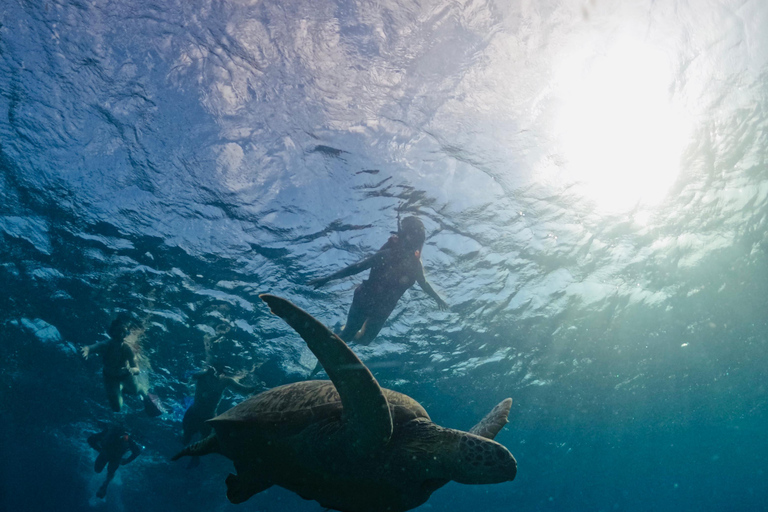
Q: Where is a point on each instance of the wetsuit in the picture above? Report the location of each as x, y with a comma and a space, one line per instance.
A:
112, 444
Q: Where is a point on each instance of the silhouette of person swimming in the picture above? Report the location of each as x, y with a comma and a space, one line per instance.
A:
395, 267
112, 443
121, 367
210, 386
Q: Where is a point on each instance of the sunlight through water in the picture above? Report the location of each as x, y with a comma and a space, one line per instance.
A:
620, 131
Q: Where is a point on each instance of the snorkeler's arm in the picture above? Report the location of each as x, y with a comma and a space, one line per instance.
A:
441, 304
240, 388
93, 349
201, 374
135, 452
130, 357
351, 270
94, 440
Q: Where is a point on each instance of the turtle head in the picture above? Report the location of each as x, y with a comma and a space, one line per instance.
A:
477, 460
443, 454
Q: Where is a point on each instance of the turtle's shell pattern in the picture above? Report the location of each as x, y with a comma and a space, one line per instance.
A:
297, 405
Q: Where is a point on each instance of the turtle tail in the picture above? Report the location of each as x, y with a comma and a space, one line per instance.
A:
203, 447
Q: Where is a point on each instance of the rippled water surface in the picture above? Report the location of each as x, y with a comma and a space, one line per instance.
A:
592, 176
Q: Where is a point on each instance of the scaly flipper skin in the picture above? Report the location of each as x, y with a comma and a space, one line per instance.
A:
494, 421
203, 447
365, 408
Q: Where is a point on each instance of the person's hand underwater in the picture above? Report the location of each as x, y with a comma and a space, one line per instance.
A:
125, 371
317, 283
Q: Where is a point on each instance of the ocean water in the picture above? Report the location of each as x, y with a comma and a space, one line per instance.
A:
593, 180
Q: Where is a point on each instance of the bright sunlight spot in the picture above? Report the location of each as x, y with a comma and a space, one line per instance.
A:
622, 135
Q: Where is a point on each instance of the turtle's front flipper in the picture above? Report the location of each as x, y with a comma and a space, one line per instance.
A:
494, 421
364, 405
242, 487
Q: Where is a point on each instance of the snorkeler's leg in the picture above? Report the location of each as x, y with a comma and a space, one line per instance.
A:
132, 387
188, 427
357, 315
111, 469
189, 433
194, 423
370, 330
113, 386
101, 461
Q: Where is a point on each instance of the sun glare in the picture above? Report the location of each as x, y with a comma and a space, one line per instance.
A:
622, 135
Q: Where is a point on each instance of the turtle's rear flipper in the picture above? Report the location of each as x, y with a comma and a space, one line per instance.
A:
242, 487
203, 447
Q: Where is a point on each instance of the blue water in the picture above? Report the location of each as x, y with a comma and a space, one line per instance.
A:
174, 159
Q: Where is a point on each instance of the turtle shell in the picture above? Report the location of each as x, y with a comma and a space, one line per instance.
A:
294, 406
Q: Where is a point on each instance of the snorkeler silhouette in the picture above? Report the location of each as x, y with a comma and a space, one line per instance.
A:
394, 268
112, 443
121, 367
210, 385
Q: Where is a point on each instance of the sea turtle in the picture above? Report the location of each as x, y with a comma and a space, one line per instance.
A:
348, 443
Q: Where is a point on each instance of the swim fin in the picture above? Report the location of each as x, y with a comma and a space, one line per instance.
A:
152, 406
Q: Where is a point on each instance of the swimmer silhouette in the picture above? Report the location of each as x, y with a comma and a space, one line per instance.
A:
394, 269
121, 367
